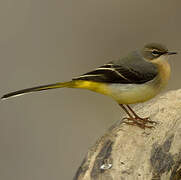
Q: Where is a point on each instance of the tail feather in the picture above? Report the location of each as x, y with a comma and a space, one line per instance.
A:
38, 88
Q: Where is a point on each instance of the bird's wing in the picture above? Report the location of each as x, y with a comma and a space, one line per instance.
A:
133, 73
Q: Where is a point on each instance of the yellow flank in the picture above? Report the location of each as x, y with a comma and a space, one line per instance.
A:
90, 85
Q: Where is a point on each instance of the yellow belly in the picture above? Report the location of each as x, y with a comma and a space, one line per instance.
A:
132, 93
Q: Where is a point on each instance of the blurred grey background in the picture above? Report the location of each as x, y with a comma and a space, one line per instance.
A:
45, 135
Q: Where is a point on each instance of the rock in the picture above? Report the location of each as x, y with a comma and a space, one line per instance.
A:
128, 152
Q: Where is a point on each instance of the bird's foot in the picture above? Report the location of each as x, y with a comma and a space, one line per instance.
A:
145, 120
140, 122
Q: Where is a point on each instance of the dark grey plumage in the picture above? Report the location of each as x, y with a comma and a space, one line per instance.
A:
132, 69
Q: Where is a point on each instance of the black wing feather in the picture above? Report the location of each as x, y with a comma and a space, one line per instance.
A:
103, 75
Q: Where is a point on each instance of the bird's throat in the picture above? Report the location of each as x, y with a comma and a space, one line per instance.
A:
164, 72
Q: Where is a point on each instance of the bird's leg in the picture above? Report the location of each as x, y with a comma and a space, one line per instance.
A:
127, 112
144, 120
131, 120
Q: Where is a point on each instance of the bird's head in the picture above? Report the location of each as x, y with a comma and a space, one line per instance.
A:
155, 51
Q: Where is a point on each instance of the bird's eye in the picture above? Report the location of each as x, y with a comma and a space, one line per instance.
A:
155, 52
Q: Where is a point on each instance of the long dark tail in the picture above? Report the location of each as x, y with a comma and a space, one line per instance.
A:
38, 88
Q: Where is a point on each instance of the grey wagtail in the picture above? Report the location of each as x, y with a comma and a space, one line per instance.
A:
136, 78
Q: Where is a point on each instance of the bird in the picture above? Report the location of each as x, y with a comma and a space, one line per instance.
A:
135, 78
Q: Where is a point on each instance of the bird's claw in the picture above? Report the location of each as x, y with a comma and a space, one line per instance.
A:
145, 120
140, 122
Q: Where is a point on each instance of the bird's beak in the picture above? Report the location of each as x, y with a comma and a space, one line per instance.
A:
171, 53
